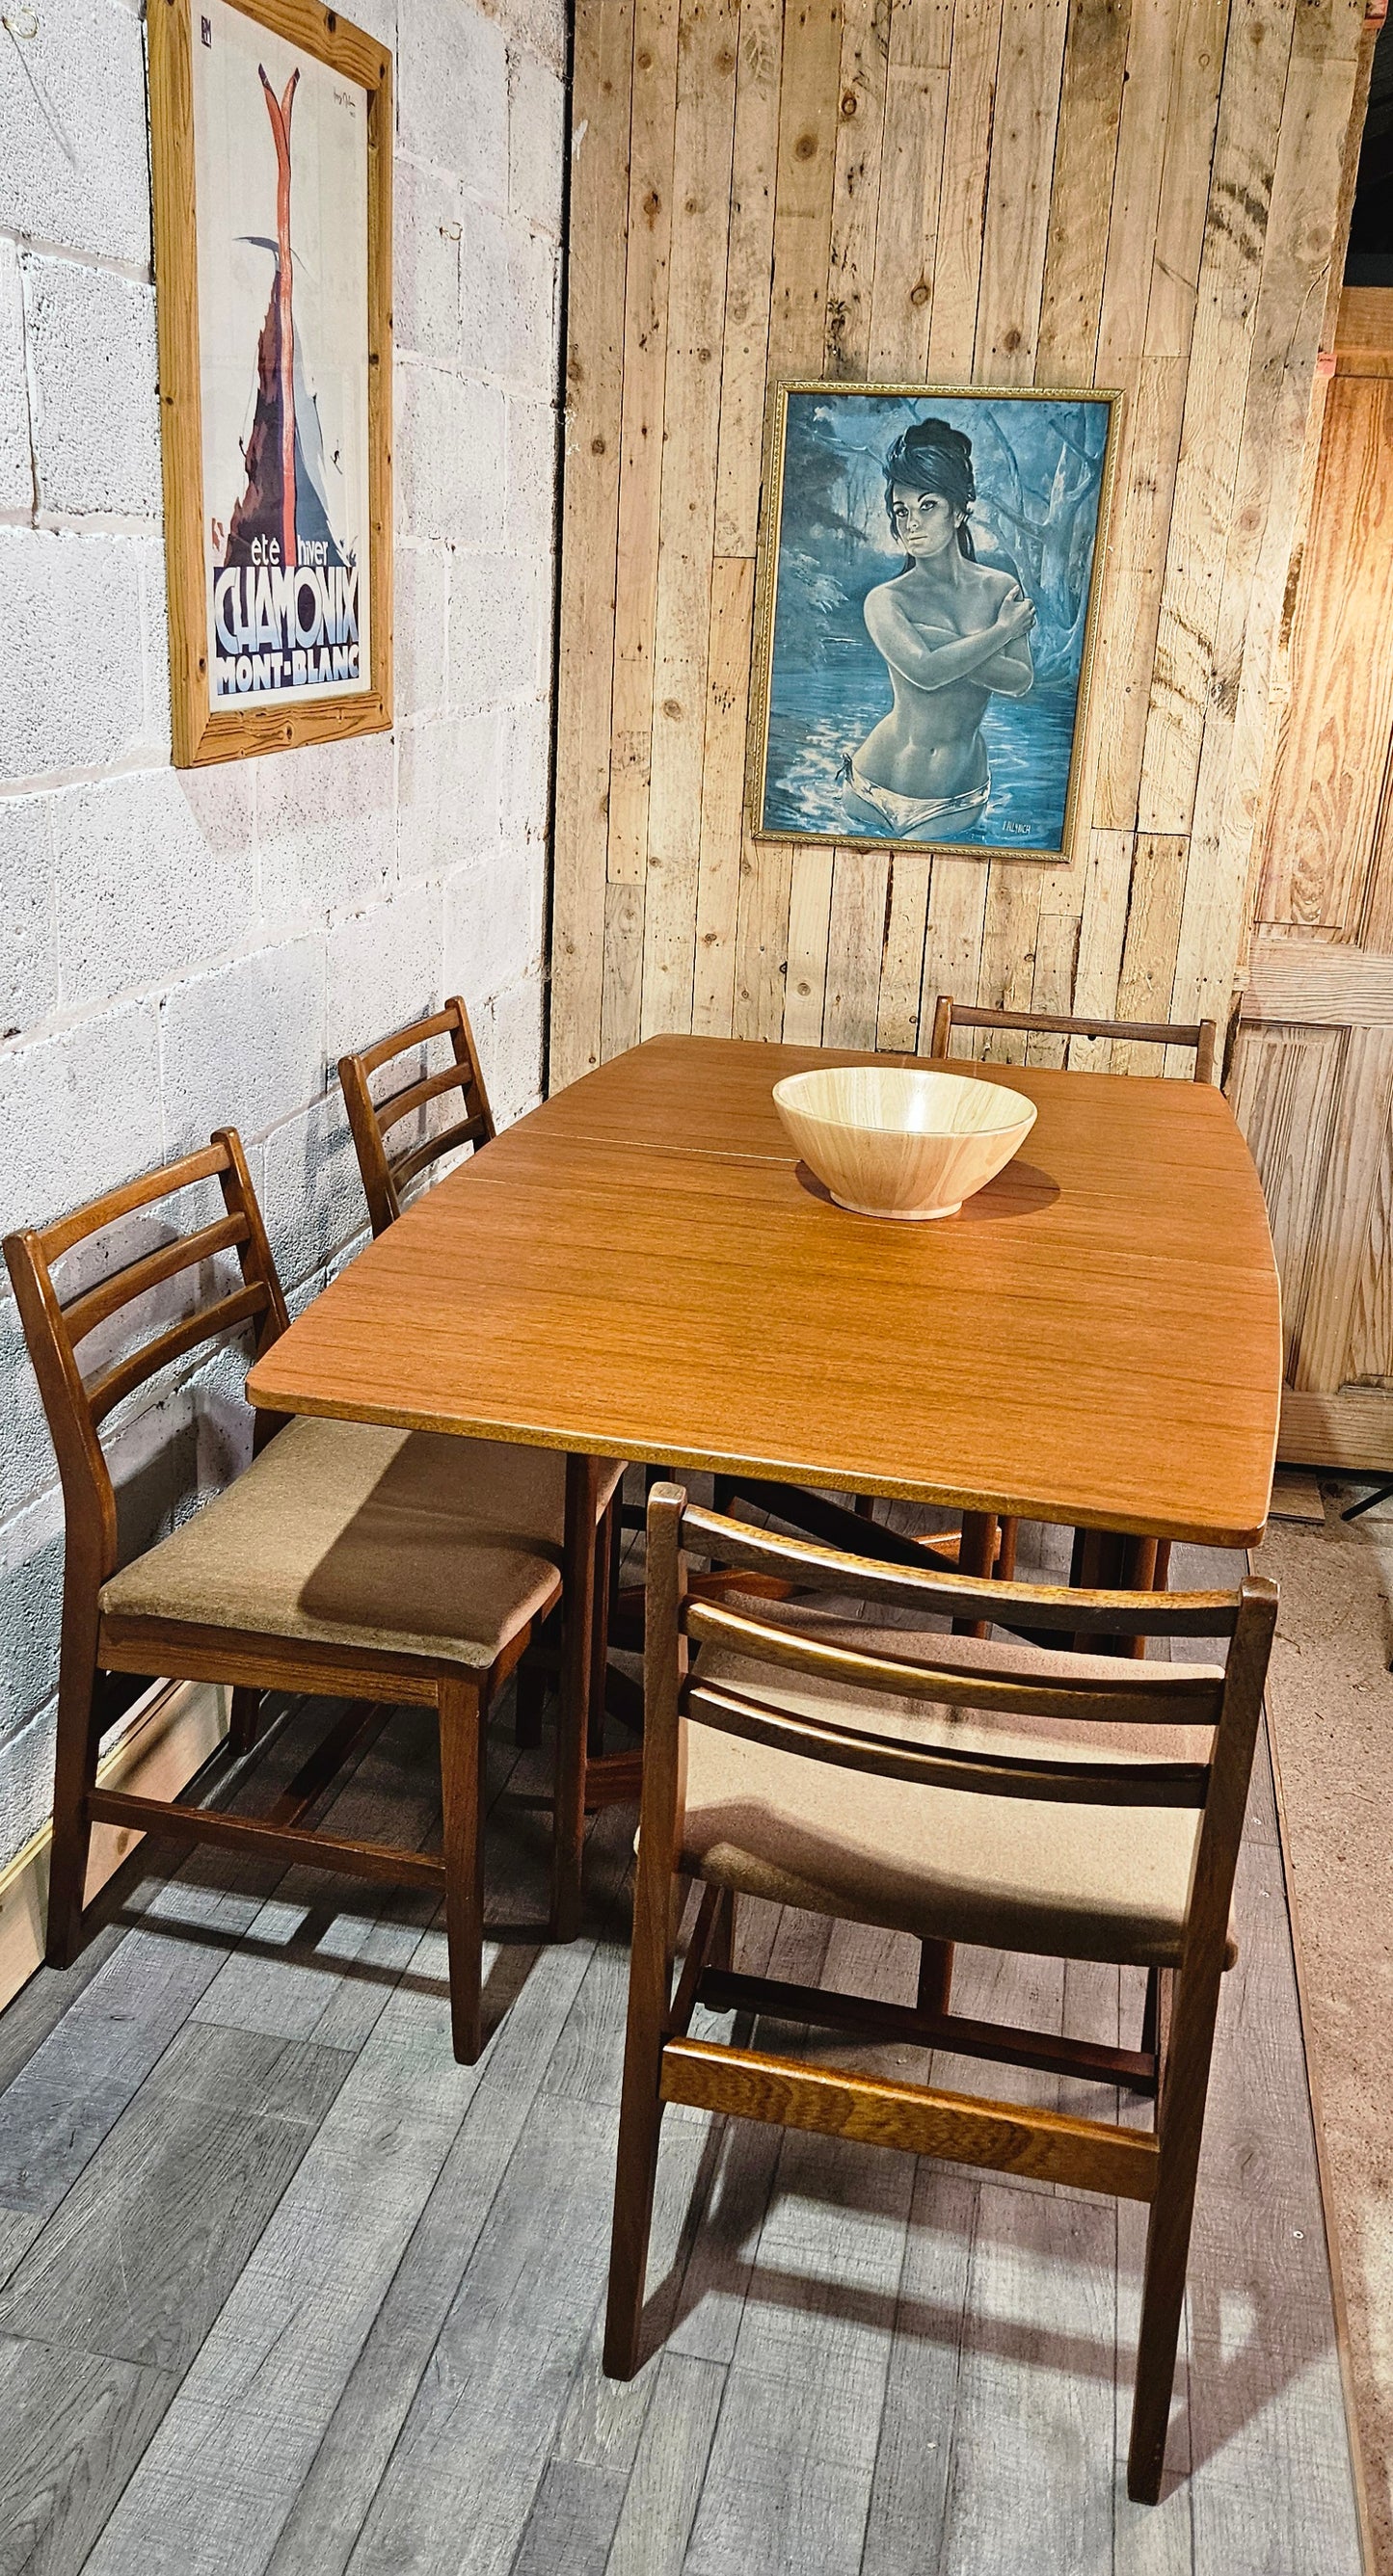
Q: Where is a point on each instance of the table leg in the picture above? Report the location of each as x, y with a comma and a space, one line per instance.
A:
1117, 1561
577, 1632
976, 1557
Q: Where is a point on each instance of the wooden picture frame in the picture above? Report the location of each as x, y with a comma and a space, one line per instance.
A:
823, 679
258, 663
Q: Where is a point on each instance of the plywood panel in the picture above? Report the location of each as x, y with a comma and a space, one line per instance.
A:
1092, 191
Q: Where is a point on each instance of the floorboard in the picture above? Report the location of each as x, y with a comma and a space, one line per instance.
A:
285, 2292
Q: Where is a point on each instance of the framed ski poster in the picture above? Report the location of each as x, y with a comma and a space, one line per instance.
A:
271, 123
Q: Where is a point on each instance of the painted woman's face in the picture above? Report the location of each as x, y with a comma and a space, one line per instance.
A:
924, 522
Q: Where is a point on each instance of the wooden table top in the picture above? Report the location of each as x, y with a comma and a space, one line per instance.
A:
641, 1269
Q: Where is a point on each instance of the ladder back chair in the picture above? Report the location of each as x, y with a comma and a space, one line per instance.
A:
1099, 1557
585, 1776
385, 1175
1134, 1780
346, 1561
1201, 1035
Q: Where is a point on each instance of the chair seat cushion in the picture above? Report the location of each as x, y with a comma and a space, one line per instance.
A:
342, 1533
1070, 1881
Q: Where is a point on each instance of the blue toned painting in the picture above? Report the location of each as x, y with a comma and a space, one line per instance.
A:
931, 605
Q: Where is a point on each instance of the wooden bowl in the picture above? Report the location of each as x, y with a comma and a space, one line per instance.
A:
890, 1141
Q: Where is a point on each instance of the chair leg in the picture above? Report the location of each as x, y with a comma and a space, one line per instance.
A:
462, 1801
577, 1629
976, 1557
935, 1976
599, 1635
1184, 2087
75, 1772
640, 2120
529, 1700
244, 1720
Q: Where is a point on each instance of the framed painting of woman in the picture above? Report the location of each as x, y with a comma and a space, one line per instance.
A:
929, 574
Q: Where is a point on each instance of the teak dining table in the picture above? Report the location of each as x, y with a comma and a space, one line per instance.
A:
641, 1268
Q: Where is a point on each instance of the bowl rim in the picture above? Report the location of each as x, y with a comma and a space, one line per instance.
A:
1024, 1109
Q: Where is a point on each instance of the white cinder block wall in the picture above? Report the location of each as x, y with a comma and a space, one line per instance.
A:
178, 950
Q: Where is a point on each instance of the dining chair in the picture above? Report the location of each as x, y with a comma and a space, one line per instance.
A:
385, 1175
1099, 1557
346, 1561
585, 1775
1201, 1035
1021, 1797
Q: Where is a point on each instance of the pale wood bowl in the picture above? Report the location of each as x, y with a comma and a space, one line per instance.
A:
889, 1141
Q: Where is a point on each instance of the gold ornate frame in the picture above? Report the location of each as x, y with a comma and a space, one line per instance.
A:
202, 732
770, 532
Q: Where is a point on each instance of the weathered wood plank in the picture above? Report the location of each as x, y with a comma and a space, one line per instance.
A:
749, 276
652, 135
855, 942
594, 381
142, 2253
967, 144
722, 795
75, 2426
660, 2500
856, 187
911, 186
809, 912
1090, 108
701, 185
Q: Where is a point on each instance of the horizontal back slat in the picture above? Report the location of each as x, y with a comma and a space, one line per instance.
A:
54, 1240
1018, 1605
243, 1303
1125, 1694
451, 1077
1111, 1784
1056, 1024
439, 1025
124, 1286
466, 1131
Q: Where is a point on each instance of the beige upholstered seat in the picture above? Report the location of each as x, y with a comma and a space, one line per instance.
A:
352, 1535
1069, 1880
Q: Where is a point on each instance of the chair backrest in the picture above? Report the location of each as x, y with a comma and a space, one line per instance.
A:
1199, 1034
54, 1327
1013, 1680
385, 1176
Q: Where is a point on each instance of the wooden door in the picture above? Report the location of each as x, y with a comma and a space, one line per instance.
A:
1312, 1074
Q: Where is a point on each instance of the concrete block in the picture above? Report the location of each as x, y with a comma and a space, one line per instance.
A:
493, 924
540, 24
155, 872
222, 1418
244, 1046
31, 1599
510, 1045
449, 450
419, 627
27, 1463
313, 1198
531, 441
426, 224
28, 915
94, 364
536, 140
500, 627
384, 969
452, 93
324, 826
16, 462
26, 1776
448, 794
507, 290
79, 1111
72, 669
524, 772
77, 174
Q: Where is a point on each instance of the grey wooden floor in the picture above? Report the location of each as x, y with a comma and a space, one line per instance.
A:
283, 2288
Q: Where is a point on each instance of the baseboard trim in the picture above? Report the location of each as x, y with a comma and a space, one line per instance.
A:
1352, 1430
164, 1739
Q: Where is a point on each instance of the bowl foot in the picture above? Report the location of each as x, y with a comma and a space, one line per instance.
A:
897, 1216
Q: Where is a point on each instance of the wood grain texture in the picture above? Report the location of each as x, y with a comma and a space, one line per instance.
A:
1063, 191
1063, 1298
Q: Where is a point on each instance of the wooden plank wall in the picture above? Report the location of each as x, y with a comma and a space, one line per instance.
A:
1133, 193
